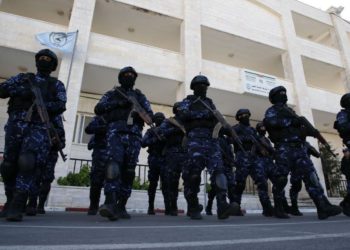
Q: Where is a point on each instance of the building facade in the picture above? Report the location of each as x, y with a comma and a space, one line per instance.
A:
168, 42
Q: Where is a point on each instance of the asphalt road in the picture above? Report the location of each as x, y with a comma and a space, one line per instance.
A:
69, 230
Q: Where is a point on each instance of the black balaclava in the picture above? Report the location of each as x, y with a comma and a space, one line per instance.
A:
244, 120
345, 101
158, 118
261, 130
44, 67
200, 89
280, 97
127, 80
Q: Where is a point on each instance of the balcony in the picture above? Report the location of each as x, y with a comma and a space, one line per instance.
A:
136, 24
314, 30
245, 19
241, 53
324, 76
116, 53
57, 12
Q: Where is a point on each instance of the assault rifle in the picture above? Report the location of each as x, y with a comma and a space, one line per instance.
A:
44, 117
140, 111
224, 123
262, 148
311, 130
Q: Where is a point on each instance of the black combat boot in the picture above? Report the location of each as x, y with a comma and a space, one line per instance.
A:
9, 196
167, 206
16, 206
345, 205
294, 209
44, 193
224, 209
151, 198
285, 205
209, 207
194, 208
109, 208
325, 209
31, 206
123, 214
279, 209
95, 193
173, 207
267, 208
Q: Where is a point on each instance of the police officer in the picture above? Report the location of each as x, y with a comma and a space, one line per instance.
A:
174, 134
98, 143
26, 141
124, 134
156, 163
228, 161
203, 149
287, 134
46, 175
342, 125
247, 162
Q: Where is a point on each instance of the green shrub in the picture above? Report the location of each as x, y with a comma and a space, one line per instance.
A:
81, 179
136, 185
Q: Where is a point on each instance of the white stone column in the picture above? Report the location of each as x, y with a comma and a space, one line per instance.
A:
294, 71
343, 44
191, 46
81, 19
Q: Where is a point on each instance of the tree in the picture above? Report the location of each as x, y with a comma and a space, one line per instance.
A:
331, 170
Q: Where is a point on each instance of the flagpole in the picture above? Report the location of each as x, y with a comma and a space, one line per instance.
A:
71, 61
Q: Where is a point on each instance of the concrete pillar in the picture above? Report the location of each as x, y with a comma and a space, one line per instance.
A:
190, 45
343, 40
81, 19
294, 71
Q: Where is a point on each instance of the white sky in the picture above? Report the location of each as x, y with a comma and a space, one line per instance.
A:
325, 4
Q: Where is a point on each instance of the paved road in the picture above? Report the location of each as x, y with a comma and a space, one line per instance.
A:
63, 230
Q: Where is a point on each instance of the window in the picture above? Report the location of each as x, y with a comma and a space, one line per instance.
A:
82, 120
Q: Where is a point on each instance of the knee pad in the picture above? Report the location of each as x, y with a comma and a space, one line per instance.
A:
112, 171
221, 181
8, 170
313, 181
26, 163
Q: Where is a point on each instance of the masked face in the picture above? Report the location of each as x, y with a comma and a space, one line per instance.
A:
244, 119
200, 90
346, 104
128, 80
44, 65
262, 131
281, 97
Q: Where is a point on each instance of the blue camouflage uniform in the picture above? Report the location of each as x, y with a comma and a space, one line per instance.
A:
23, 136
46, 175
248, 163
342, 124
175, 156
98, 143
291, 152
203, 150
124, 133
156, 164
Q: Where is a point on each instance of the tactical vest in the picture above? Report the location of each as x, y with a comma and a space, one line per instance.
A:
47, 88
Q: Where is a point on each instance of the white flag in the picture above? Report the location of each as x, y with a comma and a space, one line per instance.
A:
58, 40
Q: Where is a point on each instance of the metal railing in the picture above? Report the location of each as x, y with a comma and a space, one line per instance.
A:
338, 190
